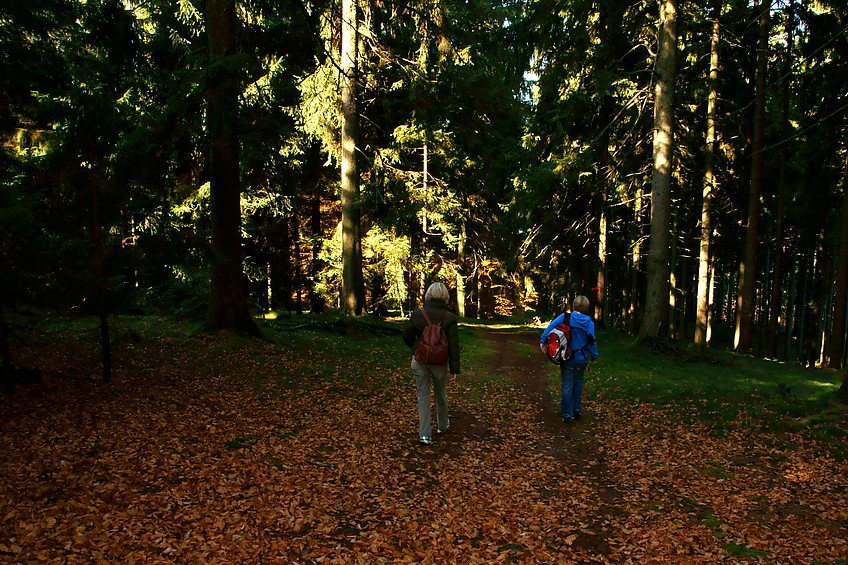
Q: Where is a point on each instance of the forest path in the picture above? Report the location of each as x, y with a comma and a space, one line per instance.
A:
575, 445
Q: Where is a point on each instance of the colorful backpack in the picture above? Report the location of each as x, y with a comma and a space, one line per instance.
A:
559, 344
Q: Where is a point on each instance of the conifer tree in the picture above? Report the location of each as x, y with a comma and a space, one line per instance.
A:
228, 301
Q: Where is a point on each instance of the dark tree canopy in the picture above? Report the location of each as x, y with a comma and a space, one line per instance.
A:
153, 159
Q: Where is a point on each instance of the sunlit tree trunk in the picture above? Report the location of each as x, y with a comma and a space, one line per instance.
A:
635, 261
228, 301
604, 174
711, 303
656, 299
743, 339
460, 271
353, 289
600, 308
704, 289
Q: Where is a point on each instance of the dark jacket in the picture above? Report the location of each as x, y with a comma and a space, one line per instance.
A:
416, 323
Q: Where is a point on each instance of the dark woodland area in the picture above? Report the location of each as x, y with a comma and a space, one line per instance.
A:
682, 166
216, 215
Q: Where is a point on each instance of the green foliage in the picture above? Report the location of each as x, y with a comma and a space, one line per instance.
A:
738, 550
104, 155
243, 442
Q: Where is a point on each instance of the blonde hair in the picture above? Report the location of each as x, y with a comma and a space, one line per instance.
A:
437, 291
581, 304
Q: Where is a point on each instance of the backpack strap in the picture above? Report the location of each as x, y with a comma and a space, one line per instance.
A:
426, 317
590, 339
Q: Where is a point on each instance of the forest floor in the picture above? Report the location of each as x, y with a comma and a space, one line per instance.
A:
219, 449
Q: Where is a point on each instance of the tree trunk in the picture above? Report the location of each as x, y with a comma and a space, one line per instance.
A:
600, 283
762, 299
790, 308
825, 304
711, 304
673, 290
460, 272
704, 290
635, 262
748, 268
280, 240
353, 291
604, 176
777, 285
656, 300
228, 301
803, 342
298, 269
837, 343
352, 282
99, 296
316, 302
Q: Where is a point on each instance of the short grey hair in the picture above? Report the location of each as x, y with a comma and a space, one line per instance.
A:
437, 291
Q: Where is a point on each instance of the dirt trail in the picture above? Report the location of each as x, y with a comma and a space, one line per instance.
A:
574, 444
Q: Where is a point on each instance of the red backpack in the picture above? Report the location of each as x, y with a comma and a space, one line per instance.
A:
559, 344
432, 349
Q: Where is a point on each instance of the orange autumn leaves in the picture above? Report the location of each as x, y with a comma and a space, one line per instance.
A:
207, 451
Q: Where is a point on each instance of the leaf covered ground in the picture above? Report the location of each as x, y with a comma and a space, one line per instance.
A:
211, 448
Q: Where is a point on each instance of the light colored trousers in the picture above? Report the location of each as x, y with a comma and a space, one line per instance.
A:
437, 375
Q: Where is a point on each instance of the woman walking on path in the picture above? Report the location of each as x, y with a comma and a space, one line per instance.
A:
585, 351
435, 312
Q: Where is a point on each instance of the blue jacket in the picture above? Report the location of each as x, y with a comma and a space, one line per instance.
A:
581, 327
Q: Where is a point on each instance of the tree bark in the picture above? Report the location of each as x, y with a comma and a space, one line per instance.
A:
656, 300
777, 285
99, 297
601, 282
316, 302
635, 261
228, 301
353, 291
837, 341
704, 290
743, 339
791, 307
298, 269
460, 272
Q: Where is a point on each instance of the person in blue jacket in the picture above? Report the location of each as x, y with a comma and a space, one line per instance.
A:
585, 351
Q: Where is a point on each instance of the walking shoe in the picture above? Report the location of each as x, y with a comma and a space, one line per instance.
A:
568, 420
424, 440
578, 414
440, 431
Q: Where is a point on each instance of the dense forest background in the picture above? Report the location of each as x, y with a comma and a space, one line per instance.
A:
684, 165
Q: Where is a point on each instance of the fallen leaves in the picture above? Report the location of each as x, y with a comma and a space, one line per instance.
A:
202, 452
